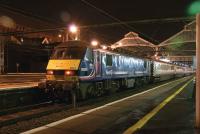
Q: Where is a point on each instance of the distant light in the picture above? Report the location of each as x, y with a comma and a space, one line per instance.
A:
59, 35
94, 43
73, 28
104, 47
165, 60
22, 40
112, 47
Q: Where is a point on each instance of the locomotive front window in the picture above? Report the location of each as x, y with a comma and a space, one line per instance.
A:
69, 53
89, 55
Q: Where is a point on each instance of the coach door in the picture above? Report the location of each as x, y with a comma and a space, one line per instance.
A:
98, 64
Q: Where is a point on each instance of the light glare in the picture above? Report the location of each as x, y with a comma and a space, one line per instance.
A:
59, 35
73, 28
104, 47
94, 43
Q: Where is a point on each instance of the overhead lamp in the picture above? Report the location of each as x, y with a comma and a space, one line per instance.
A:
104, 47
94, 43
59, 35
73, 28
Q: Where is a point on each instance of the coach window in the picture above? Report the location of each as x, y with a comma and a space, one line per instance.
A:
108, 60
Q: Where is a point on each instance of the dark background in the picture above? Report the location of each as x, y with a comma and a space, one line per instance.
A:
76, 11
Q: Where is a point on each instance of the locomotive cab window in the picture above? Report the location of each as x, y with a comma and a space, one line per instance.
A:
89, 55
87, 65
108, 60
69, 53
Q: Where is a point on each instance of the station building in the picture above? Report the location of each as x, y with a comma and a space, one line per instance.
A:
24, 47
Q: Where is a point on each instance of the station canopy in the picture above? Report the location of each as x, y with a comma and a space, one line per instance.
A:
181, 47
181, 44
134, 45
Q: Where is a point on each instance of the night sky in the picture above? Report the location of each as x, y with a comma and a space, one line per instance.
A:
68, 11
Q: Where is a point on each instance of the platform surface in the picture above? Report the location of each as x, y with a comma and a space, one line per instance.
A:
176, 117
20, 80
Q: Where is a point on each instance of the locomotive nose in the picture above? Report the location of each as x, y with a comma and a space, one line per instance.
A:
63, 64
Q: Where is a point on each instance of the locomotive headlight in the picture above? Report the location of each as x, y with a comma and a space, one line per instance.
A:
49, 72
69, 73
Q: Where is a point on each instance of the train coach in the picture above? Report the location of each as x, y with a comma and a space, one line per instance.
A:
89, 71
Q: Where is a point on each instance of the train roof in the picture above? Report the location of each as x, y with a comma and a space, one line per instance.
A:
85, 45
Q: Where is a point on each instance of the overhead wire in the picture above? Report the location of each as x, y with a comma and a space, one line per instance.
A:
23, 12
117, 23
116, 19
164, 20
161, 20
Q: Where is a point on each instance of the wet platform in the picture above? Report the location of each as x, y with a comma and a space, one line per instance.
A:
19, 89
19, 80
15, 86
176, 117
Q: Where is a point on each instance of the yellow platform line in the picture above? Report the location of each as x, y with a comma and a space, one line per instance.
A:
147, 117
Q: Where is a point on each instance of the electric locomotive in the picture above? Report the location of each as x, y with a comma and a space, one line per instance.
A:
89, 71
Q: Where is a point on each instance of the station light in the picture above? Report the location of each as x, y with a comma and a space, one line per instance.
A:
104, 47
22, 40
165, 60
112, 47
59, 35
73, 28
94, 43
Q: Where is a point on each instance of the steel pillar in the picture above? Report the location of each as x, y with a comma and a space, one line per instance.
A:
198, 71
2, 65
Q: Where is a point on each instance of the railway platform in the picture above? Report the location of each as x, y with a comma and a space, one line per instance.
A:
168, 108
17, 81
17, 89
177, 117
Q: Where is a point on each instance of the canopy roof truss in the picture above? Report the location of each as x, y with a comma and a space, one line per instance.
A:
135, 45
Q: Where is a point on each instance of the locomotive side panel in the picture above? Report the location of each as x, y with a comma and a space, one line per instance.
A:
120, 66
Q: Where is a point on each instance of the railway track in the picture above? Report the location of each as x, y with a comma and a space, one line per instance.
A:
10, 116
